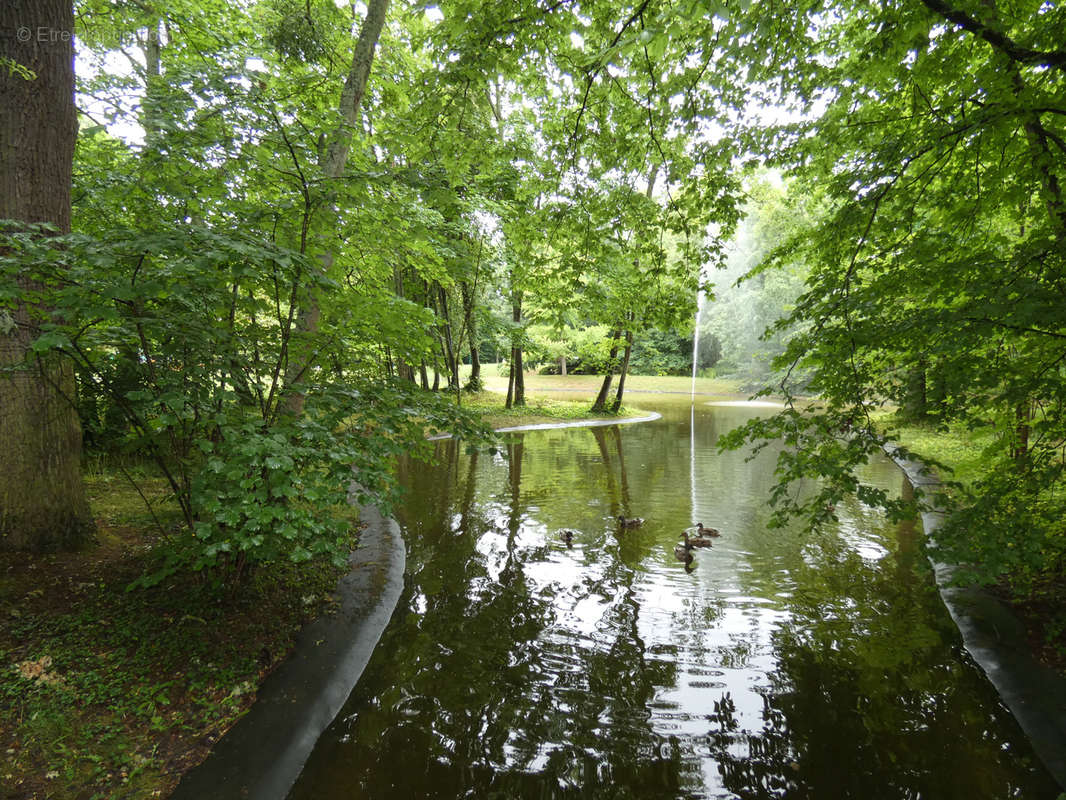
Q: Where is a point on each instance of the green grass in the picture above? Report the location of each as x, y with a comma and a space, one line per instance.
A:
955, 446
588, 385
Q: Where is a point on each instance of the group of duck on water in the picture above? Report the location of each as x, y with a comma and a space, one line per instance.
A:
691, 538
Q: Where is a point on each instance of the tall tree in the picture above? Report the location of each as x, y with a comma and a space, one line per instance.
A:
334, 160
42, 497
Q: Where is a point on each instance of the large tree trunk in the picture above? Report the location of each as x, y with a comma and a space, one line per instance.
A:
334, 161
42, 497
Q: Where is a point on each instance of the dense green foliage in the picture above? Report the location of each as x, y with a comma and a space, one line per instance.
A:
180, 341
260, 265
936, 262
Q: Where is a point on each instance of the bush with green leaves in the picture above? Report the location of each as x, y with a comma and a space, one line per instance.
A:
185, 335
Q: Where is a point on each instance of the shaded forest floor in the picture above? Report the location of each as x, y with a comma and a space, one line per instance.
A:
109, 693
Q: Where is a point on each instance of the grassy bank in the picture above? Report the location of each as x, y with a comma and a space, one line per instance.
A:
537, 410
1038, 597
108, 693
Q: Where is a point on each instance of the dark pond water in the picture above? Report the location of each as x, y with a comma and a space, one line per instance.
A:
780, 665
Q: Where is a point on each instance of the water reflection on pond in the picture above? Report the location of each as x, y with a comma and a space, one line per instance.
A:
520, 664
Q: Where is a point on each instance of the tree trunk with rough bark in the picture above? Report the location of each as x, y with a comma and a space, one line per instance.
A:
42, 496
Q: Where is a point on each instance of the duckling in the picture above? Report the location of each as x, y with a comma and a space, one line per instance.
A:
707, 531
630, 522
567, 536
696, 541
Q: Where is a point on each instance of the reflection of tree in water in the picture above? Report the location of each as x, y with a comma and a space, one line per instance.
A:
867, 701
475, 690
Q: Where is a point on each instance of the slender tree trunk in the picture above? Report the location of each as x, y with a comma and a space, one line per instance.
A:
336, 157
623, 371
517, 370
562, 366
519, 378
510, 382
474, 384
153, 76
451, 358
1020, 451
42, 497
605, 388
404, 370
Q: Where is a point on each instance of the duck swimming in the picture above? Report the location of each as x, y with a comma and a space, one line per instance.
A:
630, 522
567, 536
696, 540
683, 552
707, 531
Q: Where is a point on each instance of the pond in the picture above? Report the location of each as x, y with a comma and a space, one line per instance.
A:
778, 664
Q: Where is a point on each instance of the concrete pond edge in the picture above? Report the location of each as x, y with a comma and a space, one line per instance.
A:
262, 755
996, 640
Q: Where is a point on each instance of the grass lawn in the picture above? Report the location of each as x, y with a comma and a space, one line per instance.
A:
589, 385
955, 446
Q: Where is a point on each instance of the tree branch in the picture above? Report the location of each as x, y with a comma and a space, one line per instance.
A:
1000, 41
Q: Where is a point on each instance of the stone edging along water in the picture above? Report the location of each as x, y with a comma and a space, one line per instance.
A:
995, 639
262, 755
